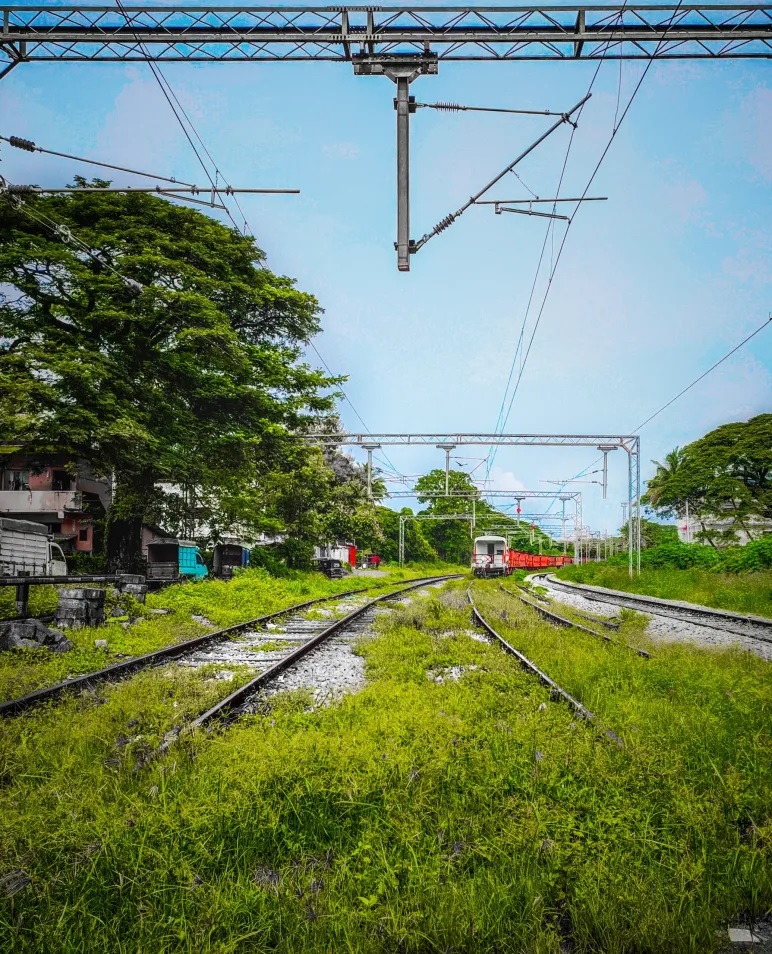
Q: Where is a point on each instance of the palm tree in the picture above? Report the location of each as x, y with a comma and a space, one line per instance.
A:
657, 487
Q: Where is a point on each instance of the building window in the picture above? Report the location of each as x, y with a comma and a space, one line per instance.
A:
83, 534
16, 480
61, 480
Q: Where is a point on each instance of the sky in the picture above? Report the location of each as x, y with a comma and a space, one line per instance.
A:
652, 287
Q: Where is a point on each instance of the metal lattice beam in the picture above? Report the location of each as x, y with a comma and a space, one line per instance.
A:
625, 441
350, 34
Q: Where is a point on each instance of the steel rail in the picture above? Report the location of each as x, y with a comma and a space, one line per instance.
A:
556, 692
559, 620
228, 708
725, 620
121, 670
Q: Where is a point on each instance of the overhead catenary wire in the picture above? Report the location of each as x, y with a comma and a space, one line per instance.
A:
453, 216
66, 235
168, 93
650, 418
457, 107
595, 171
549, 231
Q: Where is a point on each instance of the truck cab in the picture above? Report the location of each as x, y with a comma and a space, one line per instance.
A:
191, 563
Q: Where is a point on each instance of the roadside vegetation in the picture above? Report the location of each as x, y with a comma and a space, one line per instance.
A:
739, 578
449, 806
250, 594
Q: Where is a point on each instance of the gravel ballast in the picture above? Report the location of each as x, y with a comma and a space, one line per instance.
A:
663, 629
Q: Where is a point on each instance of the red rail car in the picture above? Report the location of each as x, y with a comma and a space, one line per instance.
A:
532, 561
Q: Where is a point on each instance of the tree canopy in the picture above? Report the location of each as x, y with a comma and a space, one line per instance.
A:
191, 373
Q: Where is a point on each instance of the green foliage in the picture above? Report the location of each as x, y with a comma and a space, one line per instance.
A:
708, 585
418, 548
754, 556
429, 812
86, 564
193, 380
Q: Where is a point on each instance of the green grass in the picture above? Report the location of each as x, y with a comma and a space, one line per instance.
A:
744, 592
250, 594
472, 815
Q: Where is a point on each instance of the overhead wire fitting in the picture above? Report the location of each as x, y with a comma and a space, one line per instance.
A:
451, 218
28, 145
457, 107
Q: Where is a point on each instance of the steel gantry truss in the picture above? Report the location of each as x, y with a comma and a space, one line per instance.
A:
630, 443
368, 34
400, 43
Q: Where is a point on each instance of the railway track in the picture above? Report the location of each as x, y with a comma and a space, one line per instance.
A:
751, 627
194, 648
557, 693
311, 639
551, 616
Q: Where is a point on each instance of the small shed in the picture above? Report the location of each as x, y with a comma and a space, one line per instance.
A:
229, 555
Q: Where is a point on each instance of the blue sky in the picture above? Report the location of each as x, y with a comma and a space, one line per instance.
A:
653, 287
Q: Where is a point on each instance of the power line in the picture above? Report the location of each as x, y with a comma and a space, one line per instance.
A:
164, 86
65, 233
614, 132
729, 354
548, 232
29, 146
640, 427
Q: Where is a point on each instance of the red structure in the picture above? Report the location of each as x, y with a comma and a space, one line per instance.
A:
517, 560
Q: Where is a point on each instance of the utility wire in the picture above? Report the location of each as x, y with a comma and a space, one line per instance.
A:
640, 427
29, 146
168, 93
614, 132
65, 233
549, 231
455, 107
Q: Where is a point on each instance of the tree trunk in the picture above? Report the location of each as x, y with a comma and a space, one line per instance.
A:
124, 525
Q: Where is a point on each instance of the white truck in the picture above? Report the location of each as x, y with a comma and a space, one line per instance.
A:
26, 550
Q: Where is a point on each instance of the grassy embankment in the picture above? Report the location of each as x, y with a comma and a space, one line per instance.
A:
253, 593
744, 592
416, 816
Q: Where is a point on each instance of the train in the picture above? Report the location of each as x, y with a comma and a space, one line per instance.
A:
491, 556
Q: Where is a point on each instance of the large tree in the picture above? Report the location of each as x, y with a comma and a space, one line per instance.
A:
725, 475
148, 339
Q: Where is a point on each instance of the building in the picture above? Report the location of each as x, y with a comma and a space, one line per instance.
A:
68, 498
688, 530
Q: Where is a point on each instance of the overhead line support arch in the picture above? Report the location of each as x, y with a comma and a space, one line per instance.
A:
630, 443
401, 43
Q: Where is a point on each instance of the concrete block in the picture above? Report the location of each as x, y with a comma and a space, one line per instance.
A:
743, 936
73, 610
100, 644
92, 593
69, 622
130, 579
135, 588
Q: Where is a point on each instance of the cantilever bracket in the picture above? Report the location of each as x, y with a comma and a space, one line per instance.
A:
401, 69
